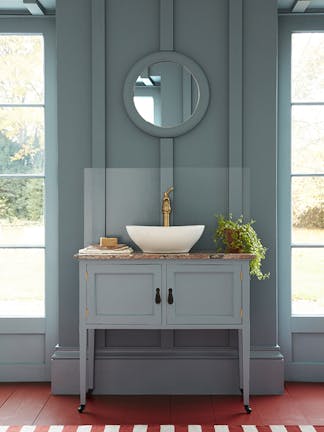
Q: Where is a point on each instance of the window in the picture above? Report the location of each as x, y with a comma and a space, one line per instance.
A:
145, 107
22, 175
307, 173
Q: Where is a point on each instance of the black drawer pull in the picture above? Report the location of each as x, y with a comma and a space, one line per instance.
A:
170, 296
157, 296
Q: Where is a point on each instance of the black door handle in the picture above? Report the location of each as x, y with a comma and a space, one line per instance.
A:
170, 296
157, 296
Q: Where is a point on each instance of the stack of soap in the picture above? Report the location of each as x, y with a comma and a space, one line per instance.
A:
108, 241
107, 246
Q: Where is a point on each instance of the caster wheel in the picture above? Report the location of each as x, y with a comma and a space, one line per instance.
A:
90, 391
248, 409
81, 408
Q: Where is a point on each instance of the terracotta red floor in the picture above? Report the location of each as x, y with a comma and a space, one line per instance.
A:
32, 403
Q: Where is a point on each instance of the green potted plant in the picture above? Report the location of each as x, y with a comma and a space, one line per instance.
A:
238, 237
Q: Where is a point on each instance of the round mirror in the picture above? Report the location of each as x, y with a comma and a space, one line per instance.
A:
166, 94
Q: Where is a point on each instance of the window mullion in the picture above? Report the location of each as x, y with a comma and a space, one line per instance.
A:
293, 174
307, 103
3, 105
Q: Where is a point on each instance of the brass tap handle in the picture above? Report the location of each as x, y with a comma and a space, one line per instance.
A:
166, 207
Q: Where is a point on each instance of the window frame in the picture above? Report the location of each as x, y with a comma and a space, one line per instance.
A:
289, 324
49, 324
295, 245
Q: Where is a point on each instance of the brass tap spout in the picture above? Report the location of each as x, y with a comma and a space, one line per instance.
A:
166, 207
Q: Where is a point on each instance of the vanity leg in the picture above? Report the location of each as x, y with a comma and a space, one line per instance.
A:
240, 359
246, 367
91, 350
83, 367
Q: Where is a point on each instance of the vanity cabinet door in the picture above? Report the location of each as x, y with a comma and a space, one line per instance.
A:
204, 294
123, 295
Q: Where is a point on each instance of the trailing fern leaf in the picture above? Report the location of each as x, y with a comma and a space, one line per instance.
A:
235, 236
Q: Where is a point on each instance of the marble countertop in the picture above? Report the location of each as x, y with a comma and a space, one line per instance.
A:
208, 255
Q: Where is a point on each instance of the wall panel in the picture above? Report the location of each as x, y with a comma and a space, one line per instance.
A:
22, 348
200, 169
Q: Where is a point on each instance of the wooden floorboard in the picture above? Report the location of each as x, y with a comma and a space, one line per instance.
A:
6, 390
24, 404
33, 403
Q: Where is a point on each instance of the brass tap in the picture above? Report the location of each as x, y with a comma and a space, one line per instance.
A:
166, 207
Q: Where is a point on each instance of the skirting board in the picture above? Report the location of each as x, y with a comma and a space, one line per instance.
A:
180, 373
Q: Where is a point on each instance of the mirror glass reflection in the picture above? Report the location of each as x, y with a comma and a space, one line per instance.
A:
166, 94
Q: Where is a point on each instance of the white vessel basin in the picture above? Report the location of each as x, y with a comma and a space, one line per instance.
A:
160, 239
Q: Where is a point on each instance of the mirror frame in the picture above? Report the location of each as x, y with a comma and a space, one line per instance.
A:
203, 94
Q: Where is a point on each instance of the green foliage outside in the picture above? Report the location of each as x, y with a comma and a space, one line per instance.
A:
20, 199
308, 202
312, 217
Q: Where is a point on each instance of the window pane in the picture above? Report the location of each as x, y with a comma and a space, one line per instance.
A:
22, 283
307, 281
307, 148
21, 140
21, 211
145, 107
21, 69
307, 67
308, 210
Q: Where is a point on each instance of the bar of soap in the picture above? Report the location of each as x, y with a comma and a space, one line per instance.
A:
108, 241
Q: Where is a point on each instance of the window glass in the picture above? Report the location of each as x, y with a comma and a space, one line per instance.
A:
22, 69
22, 211
22, 283
307, 174
21, 140
22, 177
308, 281
307, 67
307, 139
308, 210
145, 107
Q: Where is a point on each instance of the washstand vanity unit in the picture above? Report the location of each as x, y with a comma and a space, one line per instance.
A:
163, 291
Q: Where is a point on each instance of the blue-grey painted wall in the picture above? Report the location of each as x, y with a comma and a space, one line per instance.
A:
201, 157
259, 154
74, 150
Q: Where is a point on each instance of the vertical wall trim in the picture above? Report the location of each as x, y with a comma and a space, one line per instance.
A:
98, 22
166, 166
95, 226
284, 191
94, 205
166, 144
52, 204
166, 25
235, 66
